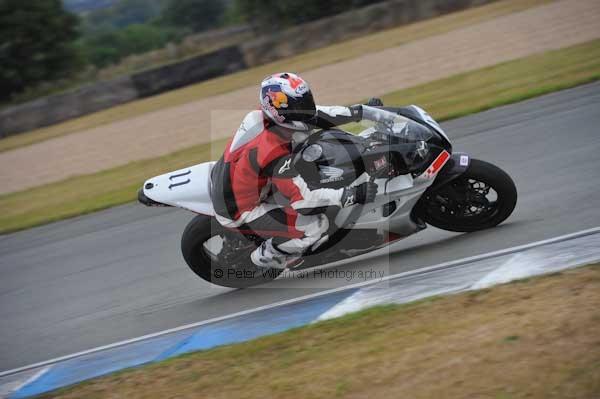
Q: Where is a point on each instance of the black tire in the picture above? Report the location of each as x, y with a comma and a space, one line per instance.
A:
441, 208
199, 230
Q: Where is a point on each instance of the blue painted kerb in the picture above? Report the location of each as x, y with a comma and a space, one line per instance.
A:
238, 329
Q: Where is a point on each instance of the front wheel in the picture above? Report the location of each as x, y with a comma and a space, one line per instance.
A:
202, 244
482, 197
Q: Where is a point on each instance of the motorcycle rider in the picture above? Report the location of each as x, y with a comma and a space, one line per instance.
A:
259, 156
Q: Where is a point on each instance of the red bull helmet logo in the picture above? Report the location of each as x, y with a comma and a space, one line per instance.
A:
278, 98
274, 99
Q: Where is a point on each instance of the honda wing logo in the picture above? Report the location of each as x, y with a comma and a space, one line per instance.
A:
331, 174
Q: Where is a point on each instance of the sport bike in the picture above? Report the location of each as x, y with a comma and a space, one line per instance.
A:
420, 180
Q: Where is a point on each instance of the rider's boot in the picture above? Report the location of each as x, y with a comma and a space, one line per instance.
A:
268, 256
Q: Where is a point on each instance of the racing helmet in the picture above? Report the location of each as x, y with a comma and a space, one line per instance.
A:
286, 99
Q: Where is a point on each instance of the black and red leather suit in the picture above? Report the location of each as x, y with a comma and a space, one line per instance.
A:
259, 157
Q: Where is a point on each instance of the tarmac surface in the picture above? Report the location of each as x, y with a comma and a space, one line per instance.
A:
119, 274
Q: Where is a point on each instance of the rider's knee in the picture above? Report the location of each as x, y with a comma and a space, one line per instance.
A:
313, 226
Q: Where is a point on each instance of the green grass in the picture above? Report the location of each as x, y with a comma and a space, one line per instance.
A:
455, 346
505, 83
301, 63
447, 98
89, 193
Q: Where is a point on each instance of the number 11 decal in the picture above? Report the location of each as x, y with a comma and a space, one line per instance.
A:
173, 177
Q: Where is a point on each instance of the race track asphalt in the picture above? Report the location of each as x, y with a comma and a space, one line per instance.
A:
118, 274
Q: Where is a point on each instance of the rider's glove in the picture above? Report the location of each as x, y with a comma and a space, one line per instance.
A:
375, 102
361, 194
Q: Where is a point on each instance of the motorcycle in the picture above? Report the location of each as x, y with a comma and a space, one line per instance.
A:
420, 180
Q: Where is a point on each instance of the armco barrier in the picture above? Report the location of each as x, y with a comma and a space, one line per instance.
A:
98, 96
192, 70
60, 107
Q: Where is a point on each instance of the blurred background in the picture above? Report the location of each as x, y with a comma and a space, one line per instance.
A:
51, 45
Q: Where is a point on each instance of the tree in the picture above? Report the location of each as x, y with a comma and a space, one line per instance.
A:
122, 14
110, 46
140, 38
102, 49
198, 15
36, 44
283, 13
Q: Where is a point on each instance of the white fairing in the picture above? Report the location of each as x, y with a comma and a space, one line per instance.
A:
187, 188
251, 126
402, 191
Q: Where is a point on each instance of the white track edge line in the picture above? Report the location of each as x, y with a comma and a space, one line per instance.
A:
31, 379
439, 266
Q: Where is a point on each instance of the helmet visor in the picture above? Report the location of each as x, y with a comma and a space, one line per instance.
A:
301, 109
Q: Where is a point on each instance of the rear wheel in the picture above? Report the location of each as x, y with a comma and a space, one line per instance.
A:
482, 197
202, 246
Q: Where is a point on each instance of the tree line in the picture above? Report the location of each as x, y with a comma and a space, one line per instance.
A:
40, 41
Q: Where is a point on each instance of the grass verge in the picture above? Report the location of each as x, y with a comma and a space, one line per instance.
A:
455, 96
535, 338
309, 60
